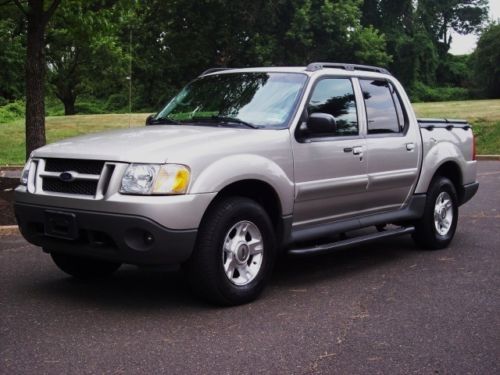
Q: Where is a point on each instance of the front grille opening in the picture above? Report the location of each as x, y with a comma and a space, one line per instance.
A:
80, 166
82, 187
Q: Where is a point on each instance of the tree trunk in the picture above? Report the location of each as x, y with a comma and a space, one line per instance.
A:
69, 105
35, 75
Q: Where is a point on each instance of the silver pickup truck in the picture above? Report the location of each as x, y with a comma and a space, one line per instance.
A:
244, 165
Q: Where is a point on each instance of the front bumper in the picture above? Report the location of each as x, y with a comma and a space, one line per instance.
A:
115, 237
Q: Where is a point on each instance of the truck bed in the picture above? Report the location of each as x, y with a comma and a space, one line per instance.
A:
450, 137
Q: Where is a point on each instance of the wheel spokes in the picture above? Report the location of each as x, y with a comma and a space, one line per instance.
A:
255, 246
242, 254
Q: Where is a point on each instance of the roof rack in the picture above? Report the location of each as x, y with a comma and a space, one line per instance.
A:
212, 70
312, 67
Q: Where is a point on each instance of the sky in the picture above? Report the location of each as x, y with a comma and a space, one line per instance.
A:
463, 44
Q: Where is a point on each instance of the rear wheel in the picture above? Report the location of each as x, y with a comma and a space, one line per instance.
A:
437, 227
84, 268
235, 252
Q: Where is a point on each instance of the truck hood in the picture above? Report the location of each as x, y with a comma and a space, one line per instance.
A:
157, 144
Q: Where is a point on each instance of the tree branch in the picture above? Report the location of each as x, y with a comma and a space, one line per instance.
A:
49, 12
20, 6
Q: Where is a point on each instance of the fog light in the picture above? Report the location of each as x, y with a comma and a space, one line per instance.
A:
148, 238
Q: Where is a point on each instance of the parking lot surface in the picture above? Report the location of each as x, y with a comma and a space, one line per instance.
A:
380, 308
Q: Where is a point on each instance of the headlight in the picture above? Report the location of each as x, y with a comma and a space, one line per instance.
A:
26, 172
155, 179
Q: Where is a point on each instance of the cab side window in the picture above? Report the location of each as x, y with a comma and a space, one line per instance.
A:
335, 96
383, 107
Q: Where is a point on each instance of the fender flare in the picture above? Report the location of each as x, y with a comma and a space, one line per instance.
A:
439, 155
228, 170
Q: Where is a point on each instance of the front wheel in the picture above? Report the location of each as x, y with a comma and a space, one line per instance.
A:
436, 228
235, 252
84, 268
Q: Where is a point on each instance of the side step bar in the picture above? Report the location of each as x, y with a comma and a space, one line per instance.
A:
337, 245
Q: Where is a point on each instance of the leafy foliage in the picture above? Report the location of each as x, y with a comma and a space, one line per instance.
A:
418, 39
11, 54
486, 61
420, 92
84, 52
12, 111
90, 45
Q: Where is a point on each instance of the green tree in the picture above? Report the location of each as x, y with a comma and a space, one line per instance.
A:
463, 16
12, 54
84, 52
188, 36
418, 35
486, 61
331, 30
37, 14
396, 20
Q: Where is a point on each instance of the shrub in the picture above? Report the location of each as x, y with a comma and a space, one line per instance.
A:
117, 103
422, 93
12, 111
53, 106
90, 108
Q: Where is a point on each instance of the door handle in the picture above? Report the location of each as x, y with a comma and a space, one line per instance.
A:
348, 149
410, 146
358, 150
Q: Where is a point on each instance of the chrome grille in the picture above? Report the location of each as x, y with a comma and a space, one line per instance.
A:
84, 176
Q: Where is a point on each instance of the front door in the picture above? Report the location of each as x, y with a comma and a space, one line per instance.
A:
330, 168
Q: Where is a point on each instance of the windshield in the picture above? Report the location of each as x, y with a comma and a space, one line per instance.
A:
236, 99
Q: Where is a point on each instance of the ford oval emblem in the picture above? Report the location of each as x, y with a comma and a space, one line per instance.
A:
66, 176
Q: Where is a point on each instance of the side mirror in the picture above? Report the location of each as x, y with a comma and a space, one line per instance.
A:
149, 120
321, 123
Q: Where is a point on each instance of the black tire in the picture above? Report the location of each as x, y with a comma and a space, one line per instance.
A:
426, 233
84, 268
205, 269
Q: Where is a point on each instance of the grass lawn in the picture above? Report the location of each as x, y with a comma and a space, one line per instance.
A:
484, 115
59, 127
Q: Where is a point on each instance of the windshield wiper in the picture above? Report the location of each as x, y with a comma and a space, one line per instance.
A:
225, 119
163, 121
222, 120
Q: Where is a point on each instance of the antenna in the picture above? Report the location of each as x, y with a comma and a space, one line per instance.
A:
130, 80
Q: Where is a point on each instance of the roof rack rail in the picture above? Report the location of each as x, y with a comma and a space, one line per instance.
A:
212, 70
312, 67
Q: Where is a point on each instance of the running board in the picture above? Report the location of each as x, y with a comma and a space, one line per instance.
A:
337, 245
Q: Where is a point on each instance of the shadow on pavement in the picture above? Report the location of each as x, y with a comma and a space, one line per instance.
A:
133, 288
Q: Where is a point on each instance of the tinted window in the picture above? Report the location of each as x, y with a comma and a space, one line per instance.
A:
402, 117
380, 108
336, 97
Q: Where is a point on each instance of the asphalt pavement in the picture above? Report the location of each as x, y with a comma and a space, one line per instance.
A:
384, 308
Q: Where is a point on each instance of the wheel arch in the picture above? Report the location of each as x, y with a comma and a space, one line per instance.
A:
261, 192
451, 171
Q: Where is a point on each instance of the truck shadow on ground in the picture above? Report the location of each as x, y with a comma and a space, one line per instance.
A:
139, 289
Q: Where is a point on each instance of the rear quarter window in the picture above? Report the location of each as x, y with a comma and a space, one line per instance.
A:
384, 110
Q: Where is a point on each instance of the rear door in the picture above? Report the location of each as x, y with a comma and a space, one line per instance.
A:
330, 170
393, 148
